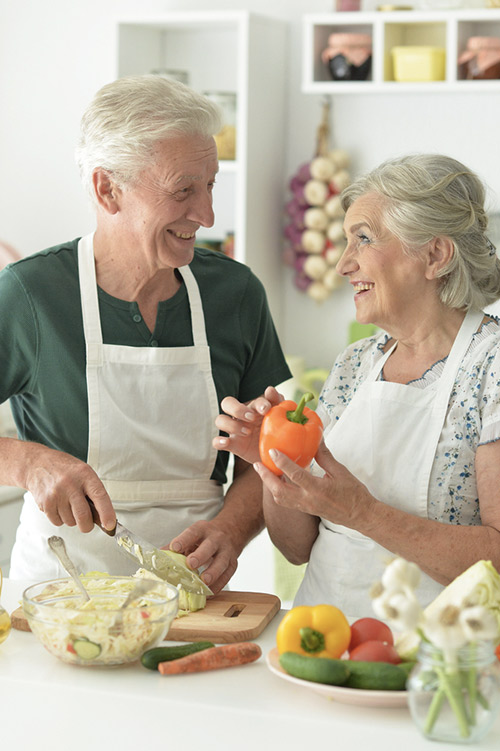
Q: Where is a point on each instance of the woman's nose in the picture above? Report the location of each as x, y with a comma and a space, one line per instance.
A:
347, 262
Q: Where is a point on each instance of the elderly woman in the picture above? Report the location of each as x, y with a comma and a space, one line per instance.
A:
410, 463
116, 349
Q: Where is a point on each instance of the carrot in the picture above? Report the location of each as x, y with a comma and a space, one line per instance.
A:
226, 656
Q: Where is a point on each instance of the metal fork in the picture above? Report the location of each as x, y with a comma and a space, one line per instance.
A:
142, 586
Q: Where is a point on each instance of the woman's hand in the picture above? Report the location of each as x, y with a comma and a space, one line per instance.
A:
242, 424
337, 496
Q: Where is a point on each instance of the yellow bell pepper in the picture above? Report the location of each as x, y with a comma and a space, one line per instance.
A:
316, 631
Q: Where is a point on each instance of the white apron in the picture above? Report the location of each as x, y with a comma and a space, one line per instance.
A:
387, 437
152, 417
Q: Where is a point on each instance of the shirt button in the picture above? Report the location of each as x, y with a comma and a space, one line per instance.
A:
154, 343
137, 318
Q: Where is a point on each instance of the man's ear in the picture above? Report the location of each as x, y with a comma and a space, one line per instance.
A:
106, 191
439, 254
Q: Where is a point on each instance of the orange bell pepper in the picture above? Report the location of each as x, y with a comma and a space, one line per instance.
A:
292, 429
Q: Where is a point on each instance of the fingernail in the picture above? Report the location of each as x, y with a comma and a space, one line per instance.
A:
257, 467
249, 415
245, 431
273, 454
176, 547
207, 578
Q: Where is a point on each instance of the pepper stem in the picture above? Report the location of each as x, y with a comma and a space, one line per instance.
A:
297, 415
311, 640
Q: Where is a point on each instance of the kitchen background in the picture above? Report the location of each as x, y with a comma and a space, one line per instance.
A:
54, 57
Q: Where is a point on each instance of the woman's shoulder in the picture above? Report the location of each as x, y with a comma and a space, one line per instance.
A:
363, 352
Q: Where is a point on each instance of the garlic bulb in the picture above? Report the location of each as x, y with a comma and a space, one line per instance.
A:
315, 267
316, 218
333, 256
313, 241
318, 291
340, 180
331, 279
333, 207
322, 168
316, 192
335, 231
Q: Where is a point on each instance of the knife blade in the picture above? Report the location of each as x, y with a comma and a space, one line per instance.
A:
163, 563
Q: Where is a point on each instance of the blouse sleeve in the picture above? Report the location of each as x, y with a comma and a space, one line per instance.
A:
490, 397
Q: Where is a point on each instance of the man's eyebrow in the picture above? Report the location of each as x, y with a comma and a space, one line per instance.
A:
192, 177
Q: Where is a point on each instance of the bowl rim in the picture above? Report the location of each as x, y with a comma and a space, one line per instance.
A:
29, 599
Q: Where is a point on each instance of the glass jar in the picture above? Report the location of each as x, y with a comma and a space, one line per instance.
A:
348, 56
455, 698
226, 138
5, 623
173, 75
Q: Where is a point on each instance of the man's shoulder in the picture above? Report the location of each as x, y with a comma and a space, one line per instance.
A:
62, 254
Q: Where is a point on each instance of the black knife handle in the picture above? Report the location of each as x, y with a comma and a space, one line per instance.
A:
97, 520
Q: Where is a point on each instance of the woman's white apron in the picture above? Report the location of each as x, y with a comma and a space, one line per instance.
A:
387, 437
152, 417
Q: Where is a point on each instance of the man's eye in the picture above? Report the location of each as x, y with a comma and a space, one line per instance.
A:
363, 238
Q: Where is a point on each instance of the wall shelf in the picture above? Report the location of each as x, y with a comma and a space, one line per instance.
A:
244, 53
448, 29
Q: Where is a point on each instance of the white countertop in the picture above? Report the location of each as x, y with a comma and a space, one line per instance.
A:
43, 700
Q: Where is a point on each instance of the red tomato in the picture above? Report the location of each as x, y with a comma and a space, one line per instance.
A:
497, 652
375, 651
369, 629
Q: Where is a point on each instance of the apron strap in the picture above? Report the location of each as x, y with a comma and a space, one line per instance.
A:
197, 315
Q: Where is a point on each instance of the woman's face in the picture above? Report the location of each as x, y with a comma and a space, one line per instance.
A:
171, 200
388, 284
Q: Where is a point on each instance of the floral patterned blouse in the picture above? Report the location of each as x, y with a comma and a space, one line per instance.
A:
473, 416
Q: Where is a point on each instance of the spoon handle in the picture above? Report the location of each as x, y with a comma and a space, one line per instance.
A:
58, 547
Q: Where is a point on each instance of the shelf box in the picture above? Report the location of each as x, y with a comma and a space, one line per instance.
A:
321, 35
410, 35
445, 29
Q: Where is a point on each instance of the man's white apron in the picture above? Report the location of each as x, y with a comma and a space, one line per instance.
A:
152, 417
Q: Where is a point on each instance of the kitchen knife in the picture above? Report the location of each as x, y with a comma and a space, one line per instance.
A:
163, 563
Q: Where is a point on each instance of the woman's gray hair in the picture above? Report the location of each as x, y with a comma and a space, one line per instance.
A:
431, 195
128, 117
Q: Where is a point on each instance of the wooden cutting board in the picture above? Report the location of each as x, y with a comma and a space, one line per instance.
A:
228, 617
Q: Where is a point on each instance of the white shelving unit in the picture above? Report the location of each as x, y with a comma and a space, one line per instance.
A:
447, 29
244, 53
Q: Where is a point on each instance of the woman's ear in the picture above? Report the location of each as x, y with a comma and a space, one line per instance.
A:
106, 191
439, 254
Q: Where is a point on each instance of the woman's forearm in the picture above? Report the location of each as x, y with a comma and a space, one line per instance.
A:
292, 532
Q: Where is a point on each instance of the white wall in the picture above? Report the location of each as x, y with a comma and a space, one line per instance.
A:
55, 55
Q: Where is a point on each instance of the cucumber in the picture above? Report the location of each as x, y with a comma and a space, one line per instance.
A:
152, 657
376, 676
315, 669
86, 649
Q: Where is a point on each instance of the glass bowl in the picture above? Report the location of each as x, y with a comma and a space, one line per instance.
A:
94, 633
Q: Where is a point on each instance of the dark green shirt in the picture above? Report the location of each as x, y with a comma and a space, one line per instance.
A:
42, 347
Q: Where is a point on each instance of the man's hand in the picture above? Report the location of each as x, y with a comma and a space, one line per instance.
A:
209, 548
60, 483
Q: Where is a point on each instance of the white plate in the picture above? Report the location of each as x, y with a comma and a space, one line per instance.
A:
340, 693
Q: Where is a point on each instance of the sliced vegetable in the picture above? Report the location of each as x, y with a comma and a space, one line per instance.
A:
152, 657
225, 656
376, 676
316, 631
315, 669
86, 649
369, 629
292, 429
375, 651
478, 585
